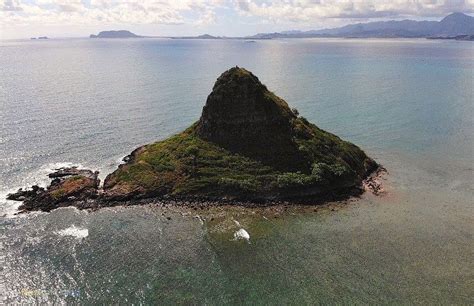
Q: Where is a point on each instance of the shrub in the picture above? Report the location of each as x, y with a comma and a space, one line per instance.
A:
248, 185
305, 121
333, 170
293, 179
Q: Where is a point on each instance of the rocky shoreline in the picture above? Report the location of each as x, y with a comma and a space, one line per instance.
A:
68, 186
89, 196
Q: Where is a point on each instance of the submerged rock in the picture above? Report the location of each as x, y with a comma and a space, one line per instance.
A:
22, 195
71, 171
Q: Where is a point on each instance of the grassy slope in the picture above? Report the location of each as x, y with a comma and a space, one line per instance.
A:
186, 165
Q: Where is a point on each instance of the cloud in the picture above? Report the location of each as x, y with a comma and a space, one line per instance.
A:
206, 12
308, 10
207, 18
79, 12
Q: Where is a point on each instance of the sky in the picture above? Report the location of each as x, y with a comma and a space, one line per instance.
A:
79, 18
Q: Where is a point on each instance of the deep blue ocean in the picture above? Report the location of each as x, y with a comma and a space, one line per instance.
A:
408, 103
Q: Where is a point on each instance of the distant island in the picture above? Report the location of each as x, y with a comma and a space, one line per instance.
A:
248, 146
115, 34
40, 37
458, 37
204, 36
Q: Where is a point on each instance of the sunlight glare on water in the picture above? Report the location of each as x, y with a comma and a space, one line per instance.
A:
407, 103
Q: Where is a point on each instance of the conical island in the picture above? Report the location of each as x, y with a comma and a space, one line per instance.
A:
248, 145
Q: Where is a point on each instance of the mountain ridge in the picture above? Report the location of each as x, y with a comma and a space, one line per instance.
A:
454, 24
115, 34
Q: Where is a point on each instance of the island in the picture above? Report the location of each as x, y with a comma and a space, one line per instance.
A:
248, 146
457, 37
115, 34
203, 36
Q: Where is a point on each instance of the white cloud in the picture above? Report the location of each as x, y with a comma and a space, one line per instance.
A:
80, 12
209, 17
229, 15
307, 10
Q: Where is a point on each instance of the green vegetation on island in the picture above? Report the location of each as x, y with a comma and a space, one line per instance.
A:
248, 145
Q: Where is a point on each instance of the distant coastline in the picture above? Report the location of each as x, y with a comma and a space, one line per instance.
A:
453, 25
458, 37
456, 26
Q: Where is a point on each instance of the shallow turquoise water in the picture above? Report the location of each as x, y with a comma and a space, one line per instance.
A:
407, 103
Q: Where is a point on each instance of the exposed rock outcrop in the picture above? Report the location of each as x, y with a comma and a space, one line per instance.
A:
68, 185
242, 116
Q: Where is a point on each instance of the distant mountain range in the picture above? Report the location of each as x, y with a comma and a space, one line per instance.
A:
452, 25
456, 26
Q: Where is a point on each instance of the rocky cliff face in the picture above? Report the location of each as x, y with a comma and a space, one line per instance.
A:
242, 116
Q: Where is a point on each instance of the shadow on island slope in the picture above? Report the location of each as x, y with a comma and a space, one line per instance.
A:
248, 146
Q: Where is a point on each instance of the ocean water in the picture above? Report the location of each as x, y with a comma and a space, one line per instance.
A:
407, 103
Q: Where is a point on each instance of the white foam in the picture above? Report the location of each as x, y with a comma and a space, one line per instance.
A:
40, 177
200, 219
241, 234
74, 231
49, 168
9, 208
